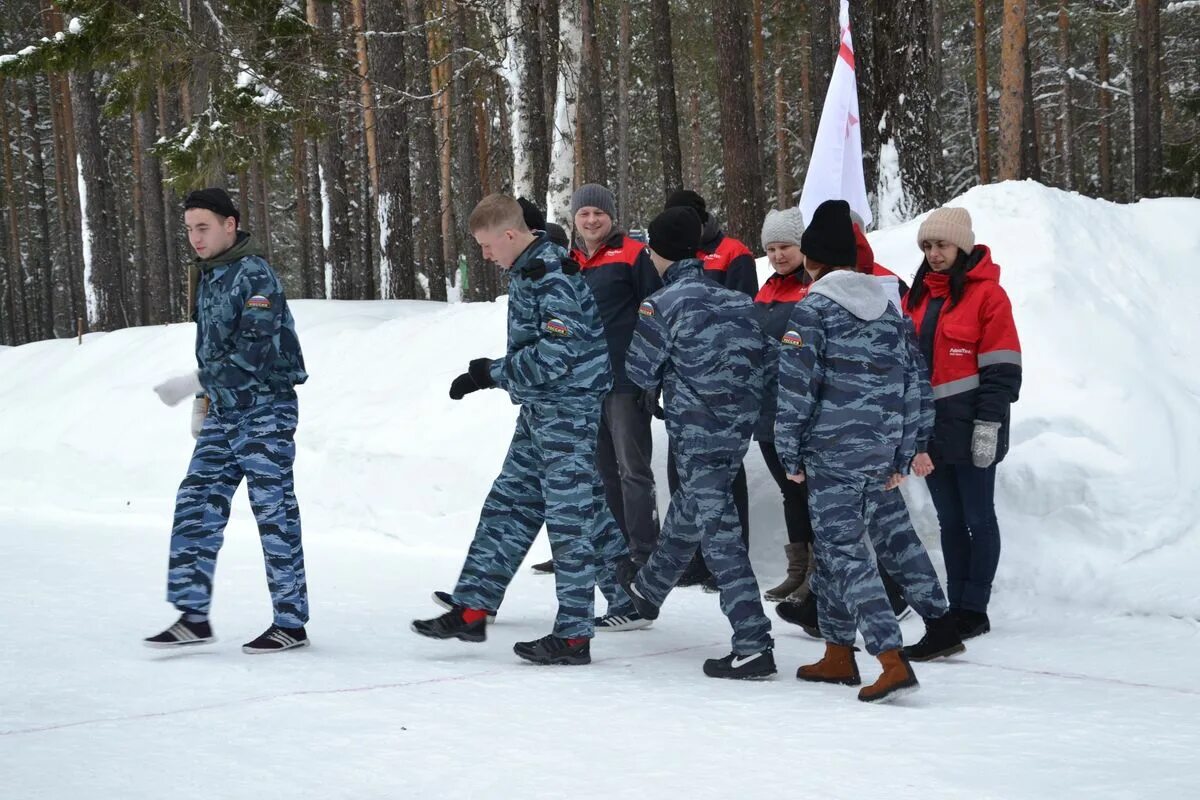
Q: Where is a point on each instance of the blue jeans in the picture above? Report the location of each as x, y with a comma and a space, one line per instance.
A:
964, 496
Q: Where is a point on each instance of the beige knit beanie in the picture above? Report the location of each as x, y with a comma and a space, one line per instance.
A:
783, 227
948, 225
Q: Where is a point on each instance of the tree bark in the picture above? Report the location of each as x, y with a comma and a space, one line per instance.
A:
156, 285
427, 204
623, 70
664, 92
49, 289
783, 176
594, 164
981, 93
467, 193
1012, 90
1070, 177
739, 138
1105, 105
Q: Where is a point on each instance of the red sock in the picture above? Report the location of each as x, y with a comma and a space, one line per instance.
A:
575, 642
471, 615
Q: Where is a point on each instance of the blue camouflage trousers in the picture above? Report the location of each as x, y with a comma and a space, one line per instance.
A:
849, 592
549, 476
703, 513
256, 443
901, 554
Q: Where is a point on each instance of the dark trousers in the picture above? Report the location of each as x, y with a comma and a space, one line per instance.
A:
795, 497
964, 496
623, 455
741, 501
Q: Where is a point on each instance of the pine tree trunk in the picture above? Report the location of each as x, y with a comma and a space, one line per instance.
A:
316, 206
807, 103
822, 51
981, 93
783, 176
156, 288
467, 193
14, 200
531, 174
548, 44
262, 194
696, 170
39, 209
933, 120
303, 213
756, 61
901, 67
1012, 90
427, 204
1031, 129
623, 70
664, 90
1105, 105
1070, 178
168, 121
739, 138
1154, 68
137, 275
594, 167
69, 306
442, 102
104, 312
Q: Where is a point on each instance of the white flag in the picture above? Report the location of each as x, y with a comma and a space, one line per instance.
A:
835, 171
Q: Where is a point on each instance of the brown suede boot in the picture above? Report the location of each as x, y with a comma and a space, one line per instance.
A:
801, 593
836, 666
797, 572
897, 679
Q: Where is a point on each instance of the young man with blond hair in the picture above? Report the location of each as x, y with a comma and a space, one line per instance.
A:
556, 368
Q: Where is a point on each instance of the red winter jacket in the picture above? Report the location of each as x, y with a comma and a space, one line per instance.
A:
866, 261
620, 275
974, 355
730, 263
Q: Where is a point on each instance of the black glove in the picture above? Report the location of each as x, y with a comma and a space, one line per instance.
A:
480, 371
462, 386
651, 404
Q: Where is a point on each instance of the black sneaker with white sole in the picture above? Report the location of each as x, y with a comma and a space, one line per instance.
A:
622, 622
555, 650
182, 634
446, 601
276, 639
755, 666
645, 609
544, 568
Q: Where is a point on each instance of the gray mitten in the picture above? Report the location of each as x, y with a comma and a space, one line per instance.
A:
984, 441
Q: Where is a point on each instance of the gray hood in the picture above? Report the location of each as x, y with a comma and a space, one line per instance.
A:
859, 294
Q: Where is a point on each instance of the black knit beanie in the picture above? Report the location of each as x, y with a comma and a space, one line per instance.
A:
829, 237
689, 199
675, 233
215, 200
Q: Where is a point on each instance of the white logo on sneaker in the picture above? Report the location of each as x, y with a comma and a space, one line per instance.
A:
741, 661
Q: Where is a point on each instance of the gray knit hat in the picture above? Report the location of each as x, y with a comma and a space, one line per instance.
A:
784, 227
948, 225
596, 196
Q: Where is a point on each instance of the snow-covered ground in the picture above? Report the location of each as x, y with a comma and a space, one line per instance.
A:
1085, 688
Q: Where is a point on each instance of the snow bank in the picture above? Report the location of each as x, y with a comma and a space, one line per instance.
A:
1096, 498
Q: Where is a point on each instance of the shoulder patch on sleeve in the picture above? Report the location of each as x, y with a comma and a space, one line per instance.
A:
259, 301
556, 327
646, 309
792, 339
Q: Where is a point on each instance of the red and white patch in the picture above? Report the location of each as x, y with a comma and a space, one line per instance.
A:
646, 310
258, 301
792, 339
557, 327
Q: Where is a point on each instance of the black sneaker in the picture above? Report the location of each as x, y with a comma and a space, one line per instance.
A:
803, 614
544, 568
971, 623
276, 639
553, 650
181, 634
446, 601
645, 609
941, 639
753, 667
622, 622
451, 625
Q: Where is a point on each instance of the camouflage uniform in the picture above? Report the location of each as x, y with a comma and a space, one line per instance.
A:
849, 415
557, 369
700, 341
250, 361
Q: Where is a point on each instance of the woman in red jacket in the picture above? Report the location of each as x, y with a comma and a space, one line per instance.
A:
966, 331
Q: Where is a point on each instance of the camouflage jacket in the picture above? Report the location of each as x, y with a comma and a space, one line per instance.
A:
850, 381
246, 345
702, 343
557, 354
